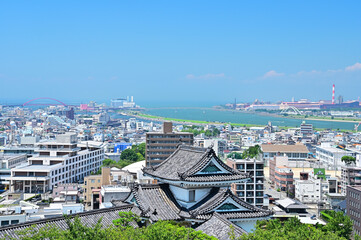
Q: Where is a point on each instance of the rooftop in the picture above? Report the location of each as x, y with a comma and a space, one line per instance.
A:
298, 148
194, 164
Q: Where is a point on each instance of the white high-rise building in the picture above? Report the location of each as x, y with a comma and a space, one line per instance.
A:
61, 161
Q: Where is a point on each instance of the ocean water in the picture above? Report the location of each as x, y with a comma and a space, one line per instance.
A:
207, 114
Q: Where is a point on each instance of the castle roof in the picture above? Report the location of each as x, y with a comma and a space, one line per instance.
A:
189, 164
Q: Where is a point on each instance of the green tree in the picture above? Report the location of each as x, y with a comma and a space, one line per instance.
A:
108, 162
139, 149
125, 219
252, 152
235, 155
129, 154
340, 224
161, 230
348, 160
216, 132
208, 133
290, 229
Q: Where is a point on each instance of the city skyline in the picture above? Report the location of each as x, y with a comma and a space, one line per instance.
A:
203, 52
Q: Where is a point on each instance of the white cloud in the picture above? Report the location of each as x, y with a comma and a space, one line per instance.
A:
206, 76
272, 73
356, 66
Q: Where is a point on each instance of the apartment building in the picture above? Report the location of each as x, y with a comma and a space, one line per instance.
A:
350, 176
331, 156
60, 161
315, 189
252, 191
160, 145
298, 152
92, 186
306, 129
276, 162
353, 206
7, 162
284, 178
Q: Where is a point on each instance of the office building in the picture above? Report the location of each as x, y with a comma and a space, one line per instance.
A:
353, 206
7, 162
331, 156
60, 161
350, 176
252, 190
160, 145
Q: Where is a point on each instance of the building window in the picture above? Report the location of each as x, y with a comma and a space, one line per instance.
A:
4, 223
14, 221
192, 195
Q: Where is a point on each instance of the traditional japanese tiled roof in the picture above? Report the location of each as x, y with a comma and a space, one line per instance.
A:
202, 209
187, 161
220, 227
89, 219
156, 202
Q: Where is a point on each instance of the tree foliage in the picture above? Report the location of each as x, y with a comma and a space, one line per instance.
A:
339, 227
139, 149
196, 130
339, 224
348, 160
129, 154
235, 155
252, 152
161, 230
290, 229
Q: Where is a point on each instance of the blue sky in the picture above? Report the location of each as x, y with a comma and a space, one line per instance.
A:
179, 52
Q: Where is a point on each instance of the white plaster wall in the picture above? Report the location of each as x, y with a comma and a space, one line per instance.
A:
182, 195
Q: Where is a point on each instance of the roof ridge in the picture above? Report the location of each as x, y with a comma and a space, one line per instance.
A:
54, 219
193, 148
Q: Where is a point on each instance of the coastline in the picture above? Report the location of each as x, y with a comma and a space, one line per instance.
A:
356, 121
149, 117
190, 122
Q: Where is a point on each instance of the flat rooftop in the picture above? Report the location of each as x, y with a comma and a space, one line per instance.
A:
298, 148
38, 167
10, 156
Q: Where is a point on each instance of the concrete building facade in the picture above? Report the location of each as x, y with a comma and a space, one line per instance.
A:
160, 145
350, 176
62, 161
353, 206
251, 191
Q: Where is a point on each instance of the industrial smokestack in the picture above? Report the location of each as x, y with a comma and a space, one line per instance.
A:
131, 98
333, 94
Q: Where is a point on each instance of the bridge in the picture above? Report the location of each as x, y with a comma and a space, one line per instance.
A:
31, 102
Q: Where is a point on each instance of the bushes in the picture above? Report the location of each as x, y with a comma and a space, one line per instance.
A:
161, 230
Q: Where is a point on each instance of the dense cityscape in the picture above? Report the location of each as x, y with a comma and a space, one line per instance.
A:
58, 159
180, 120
